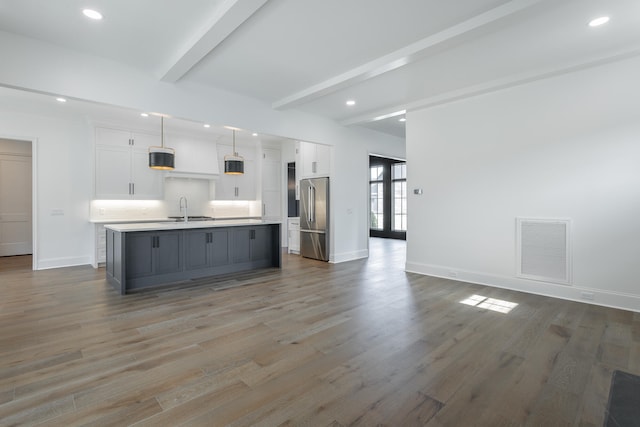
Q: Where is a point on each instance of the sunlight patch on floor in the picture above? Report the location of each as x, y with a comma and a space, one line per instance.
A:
492, 304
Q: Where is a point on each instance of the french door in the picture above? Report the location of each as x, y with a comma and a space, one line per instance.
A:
388, 197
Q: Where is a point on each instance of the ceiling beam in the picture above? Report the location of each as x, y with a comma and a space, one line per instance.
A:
406, 55
525, 77
228, 17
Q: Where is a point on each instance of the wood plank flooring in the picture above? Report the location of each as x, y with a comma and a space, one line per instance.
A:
313, 344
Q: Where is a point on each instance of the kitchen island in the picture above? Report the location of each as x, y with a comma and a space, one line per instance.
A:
147, 255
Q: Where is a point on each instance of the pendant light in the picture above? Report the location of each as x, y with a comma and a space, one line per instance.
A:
233, 163
161, 158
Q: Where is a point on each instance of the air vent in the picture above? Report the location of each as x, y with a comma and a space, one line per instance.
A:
543, 249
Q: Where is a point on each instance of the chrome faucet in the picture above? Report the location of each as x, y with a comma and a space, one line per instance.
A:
184, 206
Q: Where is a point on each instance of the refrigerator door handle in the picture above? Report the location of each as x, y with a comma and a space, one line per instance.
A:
309, 214
312, 204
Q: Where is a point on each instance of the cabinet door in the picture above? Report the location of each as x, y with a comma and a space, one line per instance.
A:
298, 170
113, 172
294, 234
246, 183
260, 243
219, 247
168, 257
113, 137
147, 182
197, 249
271, 205
225, 186
323, 160
142, 141
271, 166
140, 251
315, 159
271, 184
307, 158
240, 245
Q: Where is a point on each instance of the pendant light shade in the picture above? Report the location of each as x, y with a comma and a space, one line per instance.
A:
162, 158
233, 163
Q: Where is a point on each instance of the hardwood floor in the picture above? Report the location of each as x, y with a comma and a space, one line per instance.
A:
358, 343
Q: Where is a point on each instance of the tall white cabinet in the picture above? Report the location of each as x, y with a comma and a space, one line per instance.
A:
122, 165
271, 184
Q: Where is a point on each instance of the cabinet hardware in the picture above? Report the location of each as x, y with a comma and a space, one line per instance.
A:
264, 208
133, 188
252, 234
236, 191
314, 167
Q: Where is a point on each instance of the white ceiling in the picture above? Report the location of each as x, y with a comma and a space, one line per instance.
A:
313, 55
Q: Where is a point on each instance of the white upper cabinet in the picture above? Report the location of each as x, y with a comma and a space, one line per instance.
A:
237, 187
271, 184
195, 157
315, 159
122, 165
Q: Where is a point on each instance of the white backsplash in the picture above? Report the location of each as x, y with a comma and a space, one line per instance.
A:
197, 192
127, 209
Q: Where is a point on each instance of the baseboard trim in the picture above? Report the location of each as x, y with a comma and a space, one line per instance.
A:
348, 256
611, 299
47, 264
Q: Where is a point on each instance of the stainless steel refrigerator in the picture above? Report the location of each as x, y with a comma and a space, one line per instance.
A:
314, 218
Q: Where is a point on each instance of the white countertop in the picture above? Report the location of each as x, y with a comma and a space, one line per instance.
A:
155, 226
120, 221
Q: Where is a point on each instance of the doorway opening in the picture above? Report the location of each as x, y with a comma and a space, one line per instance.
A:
388, 197
16, 207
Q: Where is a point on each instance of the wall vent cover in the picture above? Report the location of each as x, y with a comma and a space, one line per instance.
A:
542, 247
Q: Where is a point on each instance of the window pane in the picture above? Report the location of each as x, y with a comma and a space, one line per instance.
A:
377, 205
400, 206
399, 171
376, 173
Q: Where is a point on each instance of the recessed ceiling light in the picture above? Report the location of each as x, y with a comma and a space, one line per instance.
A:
92, 14
351, 103
207, 125
402, 120
254, 134
144, 114
599, 21
60, 99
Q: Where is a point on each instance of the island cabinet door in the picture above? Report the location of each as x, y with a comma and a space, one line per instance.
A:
241, 244
168, 254
197, 249
261, 244
219, 246
139, 254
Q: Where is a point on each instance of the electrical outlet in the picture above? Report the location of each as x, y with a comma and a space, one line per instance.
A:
588, 296
101, 211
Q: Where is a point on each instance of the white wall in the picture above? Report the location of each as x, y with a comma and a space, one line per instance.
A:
566, 147
42, 67
63, 184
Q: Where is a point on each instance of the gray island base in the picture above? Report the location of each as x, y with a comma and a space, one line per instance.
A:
144, 256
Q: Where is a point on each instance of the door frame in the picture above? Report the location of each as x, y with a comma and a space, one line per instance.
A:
34, 192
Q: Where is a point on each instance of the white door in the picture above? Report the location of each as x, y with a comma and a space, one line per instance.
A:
15, 198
